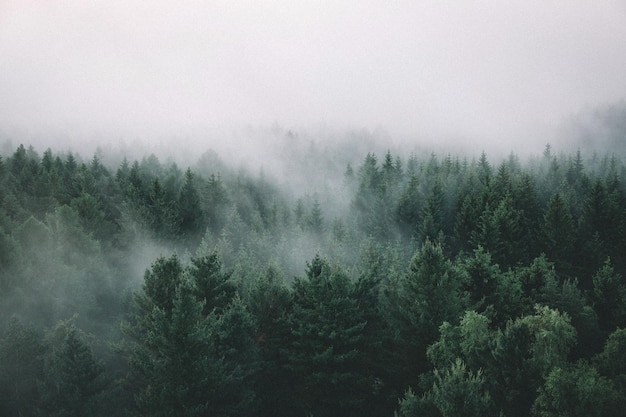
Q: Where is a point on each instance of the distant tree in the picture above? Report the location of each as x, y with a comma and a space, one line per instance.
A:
316, 219
409, 208
372, 211
575, 174
136, 189
8, 252
216, 202
558, 234
484, 170
191, 215
526, 200
70, 187
160, 212
349, 173
433, 213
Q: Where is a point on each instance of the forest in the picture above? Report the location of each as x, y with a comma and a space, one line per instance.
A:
391, 284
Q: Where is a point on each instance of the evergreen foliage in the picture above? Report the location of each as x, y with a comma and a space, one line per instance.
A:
435, 286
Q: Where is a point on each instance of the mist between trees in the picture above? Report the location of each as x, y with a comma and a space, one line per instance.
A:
414, 284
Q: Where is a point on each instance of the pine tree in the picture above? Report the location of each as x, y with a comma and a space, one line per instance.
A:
433, 213
409, 208
159, 284
169, 352
558, 234
213, 286
192, 220
239, 353
427, 295
326, 352
269, 302
74, 381
609, 298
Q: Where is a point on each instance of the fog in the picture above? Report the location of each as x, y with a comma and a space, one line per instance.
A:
476, 72
268, 134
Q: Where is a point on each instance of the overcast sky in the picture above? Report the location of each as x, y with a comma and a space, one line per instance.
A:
438, 66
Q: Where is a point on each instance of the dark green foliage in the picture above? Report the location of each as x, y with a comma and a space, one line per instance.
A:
559, 234
409, 207
189, 209
169, 356
211, 284
457, 286
486, 286
427, 296
609, 298
611, 362
7, 255
159, 284
237, 349
74, 383
457, 391
433, 214
326, 354
269, 302
21, 369
316, 219
576, 391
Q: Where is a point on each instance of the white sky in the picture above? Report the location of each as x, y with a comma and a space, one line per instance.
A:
441, 67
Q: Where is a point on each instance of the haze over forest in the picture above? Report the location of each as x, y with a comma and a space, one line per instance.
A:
242, 208
481, 72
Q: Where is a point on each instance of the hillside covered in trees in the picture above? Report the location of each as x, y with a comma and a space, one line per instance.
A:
409, 284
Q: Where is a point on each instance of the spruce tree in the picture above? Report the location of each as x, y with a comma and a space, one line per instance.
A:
325, 355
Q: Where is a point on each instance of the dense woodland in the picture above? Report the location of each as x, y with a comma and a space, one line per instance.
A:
407, 285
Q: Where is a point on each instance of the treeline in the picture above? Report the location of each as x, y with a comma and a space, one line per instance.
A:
436, 286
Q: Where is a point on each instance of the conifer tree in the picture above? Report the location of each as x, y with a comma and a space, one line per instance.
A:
326, 352
239, 356
74, 383
558, 234
427, 296
609, 297
22, 353
212, 285
269, 302
178, 376
189, 209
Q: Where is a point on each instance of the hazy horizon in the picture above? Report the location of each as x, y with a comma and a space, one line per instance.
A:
479, 72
